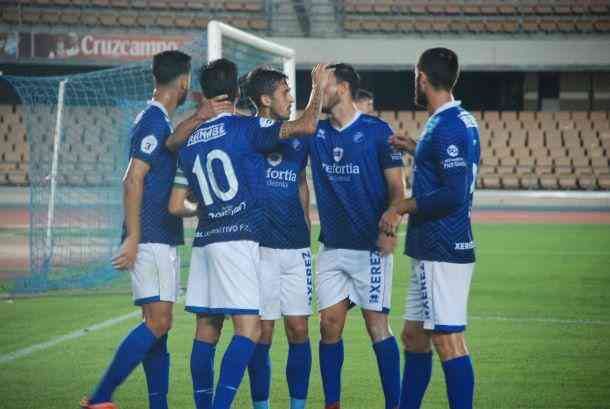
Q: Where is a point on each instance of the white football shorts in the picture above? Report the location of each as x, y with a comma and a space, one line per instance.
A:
156, 274
286, 282
438, 295
224, 279
363, 276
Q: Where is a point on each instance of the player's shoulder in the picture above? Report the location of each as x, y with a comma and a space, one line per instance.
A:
375, 123
454, 119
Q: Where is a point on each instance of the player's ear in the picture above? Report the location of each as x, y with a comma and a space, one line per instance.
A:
185, 81
266, 100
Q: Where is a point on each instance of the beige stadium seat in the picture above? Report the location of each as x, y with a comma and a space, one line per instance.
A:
526, 161
587, 181
351, 25
521, 151
503, 151
604, 182
530, 181
166, 21
553, 139
491, 182
568, 182
548, 181
487, 170
8, 167
510, 182
17, 178
508, 161
491, 161
460, 26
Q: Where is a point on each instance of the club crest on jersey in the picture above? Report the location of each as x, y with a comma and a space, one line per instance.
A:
358, 137
321, 134
296, 145
149, 144
338, 154
453, 151
274, 158
266, 122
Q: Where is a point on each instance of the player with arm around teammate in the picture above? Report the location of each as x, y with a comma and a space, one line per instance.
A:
286, 264
222, 163
357, 175
150, 237
439, 236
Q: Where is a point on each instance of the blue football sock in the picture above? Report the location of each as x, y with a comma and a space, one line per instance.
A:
331, 361
417, 374
388, 362
459, 377
298, 368
156, 368
202, 373
259, 371
130, 353
232, 370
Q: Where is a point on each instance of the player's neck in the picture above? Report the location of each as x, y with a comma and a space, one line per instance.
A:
166, 99
342, 114
266, 113
437, 100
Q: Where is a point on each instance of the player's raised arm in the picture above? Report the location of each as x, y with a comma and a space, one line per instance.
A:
208, 109
133, 189
307, 123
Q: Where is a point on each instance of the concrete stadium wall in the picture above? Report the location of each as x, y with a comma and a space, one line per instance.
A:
531, 54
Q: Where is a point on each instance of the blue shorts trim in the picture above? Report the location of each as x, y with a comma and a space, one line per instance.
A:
450, 328
147, 300
220, 311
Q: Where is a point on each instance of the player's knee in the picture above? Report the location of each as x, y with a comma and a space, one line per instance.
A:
378, 330
297, 330
331, 327
251, 331
160, 325
266, 336
449, 345
415, 341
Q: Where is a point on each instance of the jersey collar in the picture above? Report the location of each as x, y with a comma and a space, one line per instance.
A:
350, 123
446, 106
159, 105
218, 117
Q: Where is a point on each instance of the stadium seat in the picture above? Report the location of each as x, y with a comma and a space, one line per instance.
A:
510, 181
568, 182
491, 182
548, 181
604, 182
587, 181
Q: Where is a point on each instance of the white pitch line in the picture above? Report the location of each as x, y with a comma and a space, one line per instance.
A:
542, 320
20, 353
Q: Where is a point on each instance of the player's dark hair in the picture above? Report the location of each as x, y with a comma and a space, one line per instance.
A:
219, 77
363, 94
169, 65
441, 66
347, 73
263, 81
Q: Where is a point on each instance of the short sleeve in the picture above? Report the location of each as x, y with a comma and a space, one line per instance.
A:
149, 140
265, 134
180, 179
388, 156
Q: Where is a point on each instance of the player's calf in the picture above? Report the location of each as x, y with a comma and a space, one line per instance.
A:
415, 338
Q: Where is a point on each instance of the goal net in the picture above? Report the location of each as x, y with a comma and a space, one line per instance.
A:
77, 130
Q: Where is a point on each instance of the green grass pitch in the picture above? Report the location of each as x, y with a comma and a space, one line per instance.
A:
538, 334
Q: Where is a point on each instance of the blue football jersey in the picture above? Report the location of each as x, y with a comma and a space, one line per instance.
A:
224, 167
348, 173
285, 225
444, 174
147, 143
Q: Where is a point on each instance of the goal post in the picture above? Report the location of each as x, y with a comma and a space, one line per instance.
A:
218, 33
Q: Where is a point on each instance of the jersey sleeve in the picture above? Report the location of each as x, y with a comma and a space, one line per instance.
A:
450, 152
149, 140
180, 179
264, 134
388, 156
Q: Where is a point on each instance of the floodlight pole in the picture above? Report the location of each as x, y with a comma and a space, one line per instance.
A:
54, 166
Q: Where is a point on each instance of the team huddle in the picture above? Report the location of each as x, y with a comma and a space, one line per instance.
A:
244, 178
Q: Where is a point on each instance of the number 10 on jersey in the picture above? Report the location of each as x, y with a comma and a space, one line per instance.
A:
228, 170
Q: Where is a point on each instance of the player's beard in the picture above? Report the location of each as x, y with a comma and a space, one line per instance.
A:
329, 103
420, 97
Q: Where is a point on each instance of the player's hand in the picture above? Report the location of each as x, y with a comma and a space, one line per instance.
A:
386, 243
389, 222
403, 143
320, 75
209, 108
127, 255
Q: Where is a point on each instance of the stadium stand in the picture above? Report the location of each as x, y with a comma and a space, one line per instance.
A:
490, 17
520, 150
246, 14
